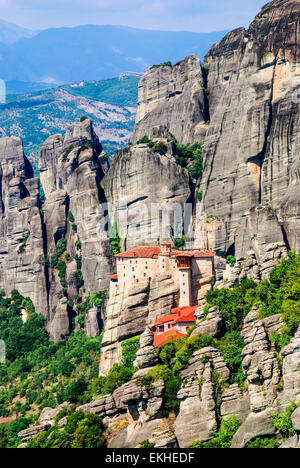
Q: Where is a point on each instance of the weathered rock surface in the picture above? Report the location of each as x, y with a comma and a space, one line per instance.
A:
139, 184
172, 98
28, 434
92, 323
251, 148
211, 325
22, 265
132, 415
296, 419
128, 315
71, 174
197, 419
146, 356
49, 414
256, 425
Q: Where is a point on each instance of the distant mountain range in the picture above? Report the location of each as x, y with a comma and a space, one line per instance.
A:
111, 104
66, 55
11, 33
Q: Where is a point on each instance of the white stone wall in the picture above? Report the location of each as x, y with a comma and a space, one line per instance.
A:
185, 284
135, 270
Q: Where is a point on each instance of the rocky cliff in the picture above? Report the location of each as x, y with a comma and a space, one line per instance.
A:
128, 315
140, 184
71, 172
174, 98
243, 104
251, 149
22, 265
133, 413
51, 251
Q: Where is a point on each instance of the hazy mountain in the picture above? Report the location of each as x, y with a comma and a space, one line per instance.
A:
111, 104
20, 87
11, 33
66, 55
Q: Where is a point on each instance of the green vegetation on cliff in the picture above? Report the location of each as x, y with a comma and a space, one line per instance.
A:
223, 438
278, 295
80, 431
39, 373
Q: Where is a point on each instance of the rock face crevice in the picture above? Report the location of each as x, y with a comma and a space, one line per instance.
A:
71, 173
21, 235
139, 186
174, 98
249, 155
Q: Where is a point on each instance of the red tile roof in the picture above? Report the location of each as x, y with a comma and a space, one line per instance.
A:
183, 253
141, 252
163, 338
185, 314
180, 314
204, 253
165, 319
154, 251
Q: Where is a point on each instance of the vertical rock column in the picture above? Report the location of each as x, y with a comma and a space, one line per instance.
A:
21, 236
71, 173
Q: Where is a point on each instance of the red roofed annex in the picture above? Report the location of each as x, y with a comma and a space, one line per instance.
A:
174, 325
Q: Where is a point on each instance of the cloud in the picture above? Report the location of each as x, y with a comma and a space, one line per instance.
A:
194, 15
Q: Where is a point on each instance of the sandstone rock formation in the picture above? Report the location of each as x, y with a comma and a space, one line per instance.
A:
251, 148
197, 419
129, 314
251, 196
22, 265
133, 415
173, 98
146, 356
139, 184
71, 174
211, 325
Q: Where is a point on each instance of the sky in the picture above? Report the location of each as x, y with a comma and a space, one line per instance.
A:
170, 15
